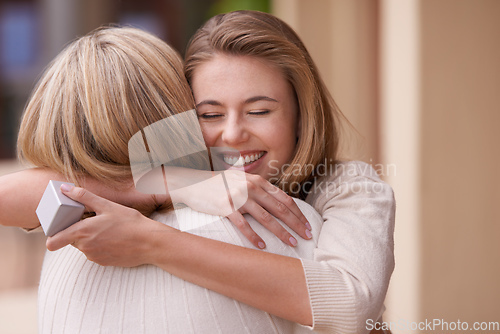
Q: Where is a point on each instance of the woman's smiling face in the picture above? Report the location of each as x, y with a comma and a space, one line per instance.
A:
245, 104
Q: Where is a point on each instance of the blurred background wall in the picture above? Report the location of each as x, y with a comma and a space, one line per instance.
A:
418, 79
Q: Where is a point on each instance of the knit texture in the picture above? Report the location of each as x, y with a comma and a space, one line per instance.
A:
354, 258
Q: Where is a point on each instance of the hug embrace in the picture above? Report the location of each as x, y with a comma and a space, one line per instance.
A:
291, 258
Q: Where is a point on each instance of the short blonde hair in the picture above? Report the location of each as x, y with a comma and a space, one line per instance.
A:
257, 34
94, 96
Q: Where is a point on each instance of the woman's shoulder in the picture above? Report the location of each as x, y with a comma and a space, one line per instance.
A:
349, 171
353, 169
347, 179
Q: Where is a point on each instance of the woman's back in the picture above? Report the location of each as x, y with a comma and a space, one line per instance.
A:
79, 296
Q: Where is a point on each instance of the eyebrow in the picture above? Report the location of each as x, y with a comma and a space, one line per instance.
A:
259, 98
247, 101
209, 102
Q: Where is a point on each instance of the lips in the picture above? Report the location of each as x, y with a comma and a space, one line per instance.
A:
243, 159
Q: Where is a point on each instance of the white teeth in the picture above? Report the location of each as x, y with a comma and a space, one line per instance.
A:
241, 161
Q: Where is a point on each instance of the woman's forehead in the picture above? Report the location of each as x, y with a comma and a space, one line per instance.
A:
244, 76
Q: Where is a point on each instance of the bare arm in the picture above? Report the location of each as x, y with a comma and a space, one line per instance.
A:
20, 193
270, 282
273, 283
19, 196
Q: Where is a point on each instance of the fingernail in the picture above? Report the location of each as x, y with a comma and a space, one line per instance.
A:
66, 187
308, 226
261, 245
293, 241
308, 234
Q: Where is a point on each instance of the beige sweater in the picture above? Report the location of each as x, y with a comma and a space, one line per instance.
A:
347, 265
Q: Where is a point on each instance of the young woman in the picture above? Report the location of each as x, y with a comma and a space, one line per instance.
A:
258, 91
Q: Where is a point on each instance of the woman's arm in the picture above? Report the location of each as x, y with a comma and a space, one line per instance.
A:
270, 282
21, 192
354, 259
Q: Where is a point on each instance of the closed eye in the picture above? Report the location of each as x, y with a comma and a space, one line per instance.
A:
209, 116
257, 113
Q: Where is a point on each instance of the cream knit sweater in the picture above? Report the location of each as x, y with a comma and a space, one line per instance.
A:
347, 265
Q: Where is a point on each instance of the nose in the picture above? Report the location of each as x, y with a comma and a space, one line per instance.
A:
234, 132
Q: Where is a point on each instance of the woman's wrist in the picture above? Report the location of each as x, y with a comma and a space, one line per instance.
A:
161, 249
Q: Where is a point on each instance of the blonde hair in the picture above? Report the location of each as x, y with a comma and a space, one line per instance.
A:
257, 34
94, 96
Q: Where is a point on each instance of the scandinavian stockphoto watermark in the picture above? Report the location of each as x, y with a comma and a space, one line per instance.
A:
328, 167
432, 325
345, 174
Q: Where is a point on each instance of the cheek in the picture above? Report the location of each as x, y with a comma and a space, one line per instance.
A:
208, 134
284, 139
